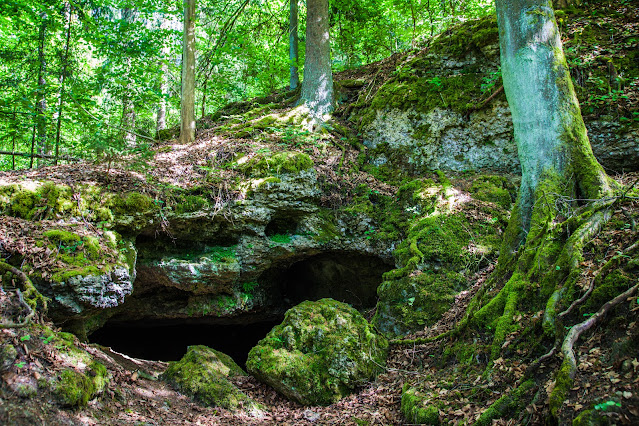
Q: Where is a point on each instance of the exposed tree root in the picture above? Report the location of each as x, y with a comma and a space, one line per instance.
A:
29, 299
568, 370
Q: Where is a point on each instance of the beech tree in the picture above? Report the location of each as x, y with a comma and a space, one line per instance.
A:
187, 112
317, 86
564, 197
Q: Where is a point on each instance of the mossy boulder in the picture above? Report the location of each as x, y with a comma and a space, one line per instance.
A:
320, 352
204, 373
76, 389
415, 408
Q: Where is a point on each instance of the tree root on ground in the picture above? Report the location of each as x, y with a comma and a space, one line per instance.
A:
28, 300
568, 370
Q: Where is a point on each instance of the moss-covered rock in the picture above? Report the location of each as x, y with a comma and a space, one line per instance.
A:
204, 373
76, 389
416, 410
320, 353
278, 163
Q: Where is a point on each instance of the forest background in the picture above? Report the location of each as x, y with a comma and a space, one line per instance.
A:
98, 79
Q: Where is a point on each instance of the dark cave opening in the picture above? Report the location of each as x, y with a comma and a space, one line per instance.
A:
349, 277
345, 276
160, 341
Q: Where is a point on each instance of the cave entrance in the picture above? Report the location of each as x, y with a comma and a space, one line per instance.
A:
168, 341
345, 276
349, 277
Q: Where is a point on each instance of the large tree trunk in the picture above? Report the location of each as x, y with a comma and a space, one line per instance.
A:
554, 151
293, 45
317, 87
187, 130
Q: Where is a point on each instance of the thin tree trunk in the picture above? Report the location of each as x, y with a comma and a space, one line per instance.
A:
164, 87
13, 143
128, 108
65, 67
317, 87
187, 113
33, 140
293, 42
41, 105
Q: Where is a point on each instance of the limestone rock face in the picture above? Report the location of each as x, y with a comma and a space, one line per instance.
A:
319, 353
204, 373
97, 291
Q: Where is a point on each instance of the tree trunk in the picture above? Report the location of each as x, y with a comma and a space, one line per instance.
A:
128, 108
317, 87
41, 104
293, 42
187, 114
164, 87
554, 151
65, 67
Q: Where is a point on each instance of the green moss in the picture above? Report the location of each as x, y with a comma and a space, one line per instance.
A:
278, 163
415, 410
563, 383
614, 284
23, 202
280, 238
190, 203
75, 389
203, 374
64, 275
319, 353
495, 189
507, 405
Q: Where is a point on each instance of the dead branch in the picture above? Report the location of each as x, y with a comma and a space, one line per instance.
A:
29, 291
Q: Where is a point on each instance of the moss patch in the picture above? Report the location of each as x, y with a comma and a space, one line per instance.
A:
203, 373
320, 353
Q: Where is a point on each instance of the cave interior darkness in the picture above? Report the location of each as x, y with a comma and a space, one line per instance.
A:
345, 276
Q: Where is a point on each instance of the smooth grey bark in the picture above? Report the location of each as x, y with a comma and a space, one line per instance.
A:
317, 86
187, 109
551, 138
293, 45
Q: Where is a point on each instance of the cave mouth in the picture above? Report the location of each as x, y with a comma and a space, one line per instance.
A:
345, 276
348, 277
168, 341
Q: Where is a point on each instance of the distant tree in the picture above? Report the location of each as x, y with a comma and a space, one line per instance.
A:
187, 114
41, 103
293, 49
317, 86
